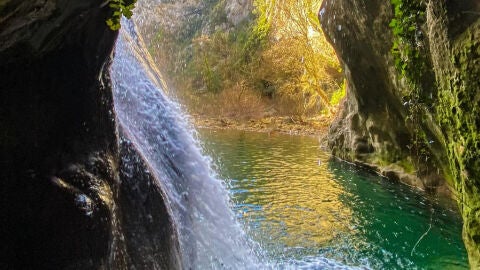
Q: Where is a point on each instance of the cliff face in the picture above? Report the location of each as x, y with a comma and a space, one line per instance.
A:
371, 129
412, 107
67, 201
188, 18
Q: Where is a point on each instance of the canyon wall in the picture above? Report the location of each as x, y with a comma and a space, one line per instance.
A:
412, 109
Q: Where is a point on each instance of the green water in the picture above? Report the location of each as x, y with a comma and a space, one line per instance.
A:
300, 205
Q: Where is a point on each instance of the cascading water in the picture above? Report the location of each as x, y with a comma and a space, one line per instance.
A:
197, 201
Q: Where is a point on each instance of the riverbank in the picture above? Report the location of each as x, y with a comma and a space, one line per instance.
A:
317, 126
313, 126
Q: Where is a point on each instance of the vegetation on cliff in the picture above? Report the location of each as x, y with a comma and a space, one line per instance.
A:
418, 58
273, 60
411, 58
437, 57
119, 8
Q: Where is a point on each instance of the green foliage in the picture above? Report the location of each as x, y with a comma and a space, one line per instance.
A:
338, 95
214, 59
298, 65
217, 16
458, 111
408, 44
207, 55
260, 29
119, 8
212, 80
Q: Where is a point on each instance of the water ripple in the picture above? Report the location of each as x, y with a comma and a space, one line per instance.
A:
306, 210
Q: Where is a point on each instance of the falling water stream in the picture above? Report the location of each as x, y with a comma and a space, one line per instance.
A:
209, 231
210, 237
195, 198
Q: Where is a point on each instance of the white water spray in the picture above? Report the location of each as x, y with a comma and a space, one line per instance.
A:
209, 236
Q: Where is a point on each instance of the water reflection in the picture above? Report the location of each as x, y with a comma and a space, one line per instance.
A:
299, 204
390, 219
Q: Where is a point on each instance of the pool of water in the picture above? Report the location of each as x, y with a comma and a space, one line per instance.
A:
300, 206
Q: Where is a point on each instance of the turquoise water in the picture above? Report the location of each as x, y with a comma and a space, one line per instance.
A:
300, 205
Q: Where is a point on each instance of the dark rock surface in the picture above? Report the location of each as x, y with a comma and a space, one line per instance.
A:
375, 126
371, 128
150, 237
66, 202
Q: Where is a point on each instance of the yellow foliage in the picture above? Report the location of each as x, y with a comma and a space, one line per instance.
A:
298, 60
281, 55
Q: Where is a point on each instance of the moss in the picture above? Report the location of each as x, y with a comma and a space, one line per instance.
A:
456, 109
338, 95
412, 61
408, 48
458, 114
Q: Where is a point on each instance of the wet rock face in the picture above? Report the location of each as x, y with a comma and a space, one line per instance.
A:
150, 238
57, 142
374, 127
371, 128
64, 202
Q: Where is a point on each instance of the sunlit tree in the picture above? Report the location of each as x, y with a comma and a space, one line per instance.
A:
279, 52
299, 61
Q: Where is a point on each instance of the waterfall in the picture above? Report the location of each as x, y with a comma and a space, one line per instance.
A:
197, 201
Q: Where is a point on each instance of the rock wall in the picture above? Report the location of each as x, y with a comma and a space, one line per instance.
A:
412, 106
371, 129
185, 19
66, 201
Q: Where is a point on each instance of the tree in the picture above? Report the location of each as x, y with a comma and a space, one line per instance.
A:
299, 61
